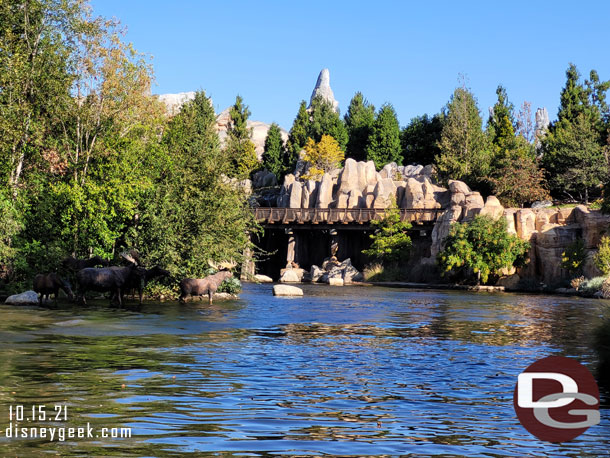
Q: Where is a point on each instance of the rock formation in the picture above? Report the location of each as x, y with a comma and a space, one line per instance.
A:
549, 230
542, 124
174, 102
323, 89
258, 131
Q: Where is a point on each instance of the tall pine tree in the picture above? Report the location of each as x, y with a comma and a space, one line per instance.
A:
239, 146
464, 153
384, 141
326, 121
359, 121
273, 155
297, 137
573, 148
419, 139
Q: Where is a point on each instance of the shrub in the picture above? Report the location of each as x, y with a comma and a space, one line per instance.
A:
390, 240
483, 247
573, 258
230, 285
592, 285
602, 257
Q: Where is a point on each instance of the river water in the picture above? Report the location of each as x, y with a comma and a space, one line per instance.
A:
341, 371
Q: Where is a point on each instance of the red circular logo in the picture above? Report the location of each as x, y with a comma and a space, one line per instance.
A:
556, 399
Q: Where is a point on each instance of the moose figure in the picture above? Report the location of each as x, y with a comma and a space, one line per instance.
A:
73, 264
142, 277
207, 285
47, 284
107, 279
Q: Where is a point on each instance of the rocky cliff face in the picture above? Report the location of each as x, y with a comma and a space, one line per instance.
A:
549, 230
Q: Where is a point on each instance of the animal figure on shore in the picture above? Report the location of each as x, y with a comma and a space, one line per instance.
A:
106, 279
47, 284
207, 285
142, 277
73, 264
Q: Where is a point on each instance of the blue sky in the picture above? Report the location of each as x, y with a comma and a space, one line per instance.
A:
408, 53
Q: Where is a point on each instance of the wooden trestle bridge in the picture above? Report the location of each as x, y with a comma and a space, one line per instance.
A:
282, 216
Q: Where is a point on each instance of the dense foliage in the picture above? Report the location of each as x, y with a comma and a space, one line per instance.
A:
574, 256
481, 247
274, 154
602, 257
88, 161
384, 142
359, 121
419, 139
391, 242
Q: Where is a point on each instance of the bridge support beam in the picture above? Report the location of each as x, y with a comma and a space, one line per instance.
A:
292, 247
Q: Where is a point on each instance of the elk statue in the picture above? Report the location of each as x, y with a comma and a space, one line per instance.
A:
207, 285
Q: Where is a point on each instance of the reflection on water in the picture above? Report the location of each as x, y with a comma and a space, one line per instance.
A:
360, 371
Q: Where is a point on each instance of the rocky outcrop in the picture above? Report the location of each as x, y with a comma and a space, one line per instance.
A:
173, 102
323, 90
264, 179
333, 270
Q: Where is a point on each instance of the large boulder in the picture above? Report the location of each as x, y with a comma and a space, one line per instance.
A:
349, 177
263, 278
493, 208
459, 186
264, 179
291, 275
286, 290
325, 192
296, 194
384, 192
442, 227
28, 297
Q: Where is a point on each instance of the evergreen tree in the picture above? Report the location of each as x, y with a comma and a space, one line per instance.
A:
297, 137
239, 146
359, 121
384, 141
573, 149
464, 150
501, 122
419, 140
273, 156
326, 121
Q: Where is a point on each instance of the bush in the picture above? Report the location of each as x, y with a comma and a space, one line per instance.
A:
592, 285
230, 285
602, 257
483, 247
390, 240
573, 258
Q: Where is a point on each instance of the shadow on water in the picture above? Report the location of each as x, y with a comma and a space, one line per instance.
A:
359, 371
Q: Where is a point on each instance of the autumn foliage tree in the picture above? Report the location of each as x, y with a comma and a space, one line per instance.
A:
322, 157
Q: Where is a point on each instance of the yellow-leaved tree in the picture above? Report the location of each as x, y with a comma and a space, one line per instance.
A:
322, 157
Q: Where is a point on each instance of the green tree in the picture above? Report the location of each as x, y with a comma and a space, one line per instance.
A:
275, 152
602, 257
501, 122
419, 140
359, 121
326, 121
384, 141
239, 146
297, 136
573, 153
193, 214
464, 150
513, 158
482, 247
391, 242
573, 158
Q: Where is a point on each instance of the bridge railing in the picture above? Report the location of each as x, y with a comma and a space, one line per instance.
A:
283, 215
